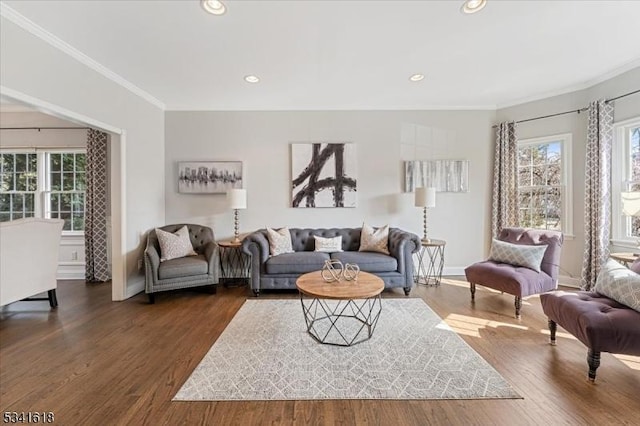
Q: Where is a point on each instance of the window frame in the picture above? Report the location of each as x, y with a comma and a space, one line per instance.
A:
566, 186
620, 177
43, 190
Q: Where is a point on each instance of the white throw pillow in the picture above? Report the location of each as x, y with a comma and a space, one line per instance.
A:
620, 284
174, 245
328, 245
374, 240
279, 241
517, 254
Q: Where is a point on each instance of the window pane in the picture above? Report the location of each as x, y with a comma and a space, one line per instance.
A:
65, 202
635, 153
524, 156
5, 217
56, 184
539, 154
67, 182
54, 203
21, 162
56, 162
78, 222
17, 203
67, 162
80, 181
7, 162
29, 202
6, 182
538, 175
67, 221
524, 176
81, 162
635, 226
21, 182
4, 202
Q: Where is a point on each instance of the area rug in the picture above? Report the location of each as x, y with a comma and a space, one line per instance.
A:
265, 353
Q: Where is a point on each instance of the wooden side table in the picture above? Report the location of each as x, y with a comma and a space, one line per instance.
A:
625, 258
234, 265
430, 263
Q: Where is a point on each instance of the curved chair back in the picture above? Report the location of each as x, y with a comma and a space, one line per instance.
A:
553, 239
199, 235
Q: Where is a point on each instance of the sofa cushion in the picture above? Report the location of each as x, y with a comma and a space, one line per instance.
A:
374, 240
529, 256
367, 261
516, 280
296, 263
174, 244
620, 284
183, 267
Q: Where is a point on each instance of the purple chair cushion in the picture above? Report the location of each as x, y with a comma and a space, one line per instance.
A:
515, 280
602, 324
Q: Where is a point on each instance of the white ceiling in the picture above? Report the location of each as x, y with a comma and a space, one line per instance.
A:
348, 54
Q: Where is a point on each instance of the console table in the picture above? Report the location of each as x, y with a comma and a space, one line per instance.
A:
430, 263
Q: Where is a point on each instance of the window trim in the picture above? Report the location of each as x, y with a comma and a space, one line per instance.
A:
566, 141
619, 175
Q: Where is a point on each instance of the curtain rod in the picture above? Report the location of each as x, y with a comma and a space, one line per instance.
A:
44, 128
578, 111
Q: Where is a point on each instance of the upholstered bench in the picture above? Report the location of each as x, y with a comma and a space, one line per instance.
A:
599, 322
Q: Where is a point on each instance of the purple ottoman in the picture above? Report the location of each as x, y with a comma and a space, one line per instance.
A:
602, 324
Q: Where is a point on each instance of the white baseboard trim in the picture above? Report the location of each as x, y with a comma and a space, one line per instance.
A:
71, 271
135, 285
569, 281
453, 271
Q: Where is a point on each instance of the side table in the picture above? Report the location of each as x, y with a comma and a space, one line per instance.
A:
234, 265
430, 263
625, 258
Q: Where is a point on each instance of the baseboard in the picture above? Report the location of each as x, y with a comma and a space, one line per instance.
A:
569, 281
449, 271
71, 271
135, 285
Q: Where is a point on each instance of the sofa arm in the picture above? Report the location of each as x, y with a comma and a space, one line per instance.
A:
402, 246
151, 266
256, 246
211, 253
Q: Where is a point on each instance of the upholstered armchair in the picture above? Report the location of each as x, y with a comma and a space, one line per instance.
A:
183, 272
515, 279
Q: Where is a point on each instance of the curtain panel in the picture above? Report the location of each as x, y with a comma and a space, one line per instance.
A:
505, 179
95, 232
597, 203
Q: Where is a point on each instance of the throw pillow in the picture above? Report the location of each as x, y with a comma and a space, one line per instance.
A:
174, 245
635, 266
279, 241
517, 254
374, 239
620, 284
328, 245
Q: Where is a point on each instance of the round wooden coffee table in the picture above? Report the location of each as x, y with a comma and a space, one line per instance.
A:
341, 313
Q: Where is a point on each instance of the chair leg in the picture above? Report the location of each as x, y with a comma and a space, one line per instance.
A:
256, 292
472, 287
152, 298
407, 291
593, 358
518, 304
53, 299
213, 289
552, 330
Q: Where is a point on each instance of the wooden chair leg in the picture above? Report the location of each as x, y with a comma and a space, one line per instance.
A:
552, 330
593, 358
152, 298
472, 287
518, 304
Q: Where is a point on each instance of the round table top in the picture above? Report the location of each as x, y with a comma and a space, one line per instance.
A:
624, 257
367, 285
230, 243
432, 242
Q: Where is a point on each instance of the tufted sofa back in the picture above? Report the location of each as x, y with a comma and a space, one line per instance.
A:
553, 239
302, 238
199, 235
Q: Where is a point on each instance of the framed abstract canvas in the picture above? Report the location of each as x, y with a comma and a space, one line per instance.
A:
209, 177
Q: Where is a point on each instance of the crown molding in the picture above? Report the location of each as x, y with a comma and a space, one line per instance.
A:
182, 108
576, 87
36, 30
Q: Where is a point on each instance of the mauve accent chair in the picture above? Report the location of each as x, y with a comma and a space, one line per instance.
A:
184, 272
517, 280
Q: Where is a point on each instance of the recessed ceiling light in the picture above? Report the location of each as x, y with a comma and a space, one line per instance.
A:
416, 77
473, 6
251, 79
214, 7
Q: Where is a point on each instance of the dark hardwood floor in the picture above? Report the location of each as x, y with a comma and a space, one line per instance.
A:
97, 362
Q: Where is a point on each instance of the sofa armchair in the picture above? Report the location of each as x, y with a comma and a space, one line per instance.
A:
518, 280
184, 272
282, 271
29, 259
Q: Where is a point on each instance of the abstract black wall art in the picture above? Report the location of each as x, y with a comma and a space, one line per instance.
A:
323, 175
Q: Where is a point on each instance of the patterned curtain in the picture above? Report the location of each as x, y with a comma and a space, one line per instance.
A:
597, 200
505, 179
95, 225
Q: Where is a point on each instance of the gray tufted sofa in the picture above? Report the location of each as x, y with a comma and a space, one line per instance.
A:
190, 271
282, 271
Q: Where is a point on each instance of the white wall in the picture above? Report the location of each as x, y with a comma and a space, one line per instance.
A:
71, 258
34, 67
383, 139
576, 124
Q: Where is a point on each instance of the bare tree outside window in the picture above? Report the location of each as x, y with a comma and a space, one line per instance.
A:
634, 183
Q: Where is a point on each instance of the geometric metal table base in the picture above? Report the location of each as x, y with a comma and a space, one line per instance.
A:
341, 322
234, 265
430, 263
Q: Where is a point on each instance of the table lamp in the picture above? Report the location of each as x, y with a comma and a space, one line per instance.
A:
237, 200
425, 197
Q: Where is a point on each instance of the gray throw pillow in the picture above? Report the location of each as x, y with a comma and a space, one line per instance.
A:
620, 284
517, 254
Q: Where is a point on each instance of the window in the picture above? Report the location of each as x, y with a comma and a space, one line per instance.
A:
544, 200
43, 184
625, 177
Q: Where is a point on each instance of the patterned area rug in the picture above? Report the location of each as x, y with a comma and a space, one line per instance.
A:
265, 353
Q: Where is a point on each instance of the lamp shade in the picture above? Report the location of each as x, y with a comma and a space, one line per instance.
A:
631, 203
237, 198
425, 197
